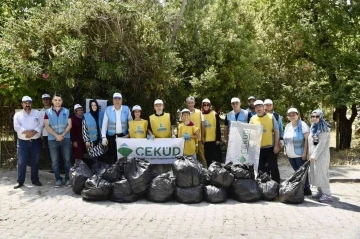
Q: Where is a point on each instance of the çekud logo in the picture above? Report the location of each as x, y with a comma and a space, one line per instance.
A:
161, 128
124, 150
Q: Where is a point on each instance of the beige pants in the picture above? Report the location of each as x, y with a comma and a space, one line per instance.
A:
201, 154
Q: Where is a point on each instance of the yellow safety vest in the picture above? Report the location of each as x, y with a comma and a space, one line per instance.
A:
190, 145
267, 122
138, 128
210, 126
161, 125
195, 117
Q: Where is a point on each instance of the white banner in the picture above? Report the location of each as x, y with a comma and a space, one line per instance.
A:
157, 151
244, 143
102, 105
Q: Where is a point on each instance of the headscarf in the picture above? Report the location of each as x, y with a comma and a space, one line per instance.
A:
95, 114
205, 111
321, 126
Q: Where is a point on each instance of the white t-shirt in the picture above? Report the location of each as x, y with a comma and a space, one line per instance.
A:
288, 138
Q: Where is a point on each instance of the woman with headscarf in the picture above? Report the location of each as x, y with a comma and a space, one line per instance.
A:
296, 143
92, 130
319, 156
212, 133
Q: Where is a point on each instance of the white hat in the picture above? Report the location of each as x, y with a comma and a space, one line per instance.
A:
117, 95
190, 98
26, 98
206, 101
158, 101
185, 111
251, 98
45, 96
268, 102
235, 99
258, 102
77, 106
293, 110
136, 107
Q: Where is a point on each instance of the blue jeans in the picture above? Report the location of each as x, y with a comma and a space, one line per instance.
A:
63, 147
296, 163
28, 150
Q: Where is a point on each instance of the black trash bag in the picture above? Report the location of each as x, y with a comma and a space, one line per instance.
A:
99, 168
187, 172
79, 173
243, 171
205, 177
96, 189
269, 188
292, 189
162, 188
219, 176
245, 190
112, 173
214, 194
138, 173
122, 192
190, 195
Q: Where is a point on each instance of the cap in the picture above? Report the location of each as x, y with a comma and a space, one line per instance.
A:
45, 96
77, 106
258, 102
26, 98
292, 110
158, 101
251, 98
206, 101
136, 107
185, 111
268, 102
235, 99
117, 95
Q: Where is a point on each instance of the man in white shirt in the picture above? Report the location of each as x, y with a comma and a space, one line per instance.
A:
28, 125
115, 124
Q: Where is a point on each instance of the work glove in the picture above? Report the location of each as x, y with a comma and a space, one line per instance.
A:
104, 141
186, 136
148, 137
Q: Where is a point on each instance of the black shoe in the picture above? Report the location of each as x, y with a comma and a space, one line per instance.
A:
19, 185
37, 183
307, 192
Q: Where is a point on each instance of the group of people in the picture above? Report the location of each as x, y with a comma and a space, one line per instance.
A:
95, 133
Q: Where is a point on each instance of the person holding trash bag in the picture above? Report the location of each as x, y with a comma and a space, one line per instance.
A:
159, 123
296, 143
212, 133
269, 141
189, 132
138, 126
319, 156
91, 131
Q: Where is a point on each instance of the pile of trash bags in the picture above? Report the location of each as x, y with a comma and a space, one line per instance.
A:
130, 179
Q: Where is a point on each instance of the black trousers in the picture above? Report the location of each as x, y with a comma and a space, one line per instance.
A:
212, 152
112, 149
268, 163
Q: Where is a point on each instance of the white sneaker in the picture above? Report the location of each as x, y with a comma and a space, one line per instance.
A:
325, 198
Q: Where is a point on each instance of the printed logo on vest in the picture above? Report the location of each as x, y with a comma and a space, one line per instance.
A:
124, 150
139, 130
161, 128
207, 124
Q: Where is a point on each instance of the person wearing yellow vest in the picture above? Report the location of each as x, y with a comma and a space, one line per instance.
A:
138, 126
212, 133
115, 124
269, 141
198, 119
160, 124
188, 131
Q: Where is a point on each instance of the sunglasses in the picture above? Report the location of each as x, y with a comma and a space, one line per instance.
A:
315, 116
206, 104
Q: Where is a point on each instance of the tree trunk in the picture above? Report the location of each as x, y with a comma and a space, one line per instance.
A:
344, 126
178, 21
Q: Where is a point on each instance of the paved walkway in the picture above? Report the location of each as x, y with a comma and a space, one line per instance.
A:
46, 212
